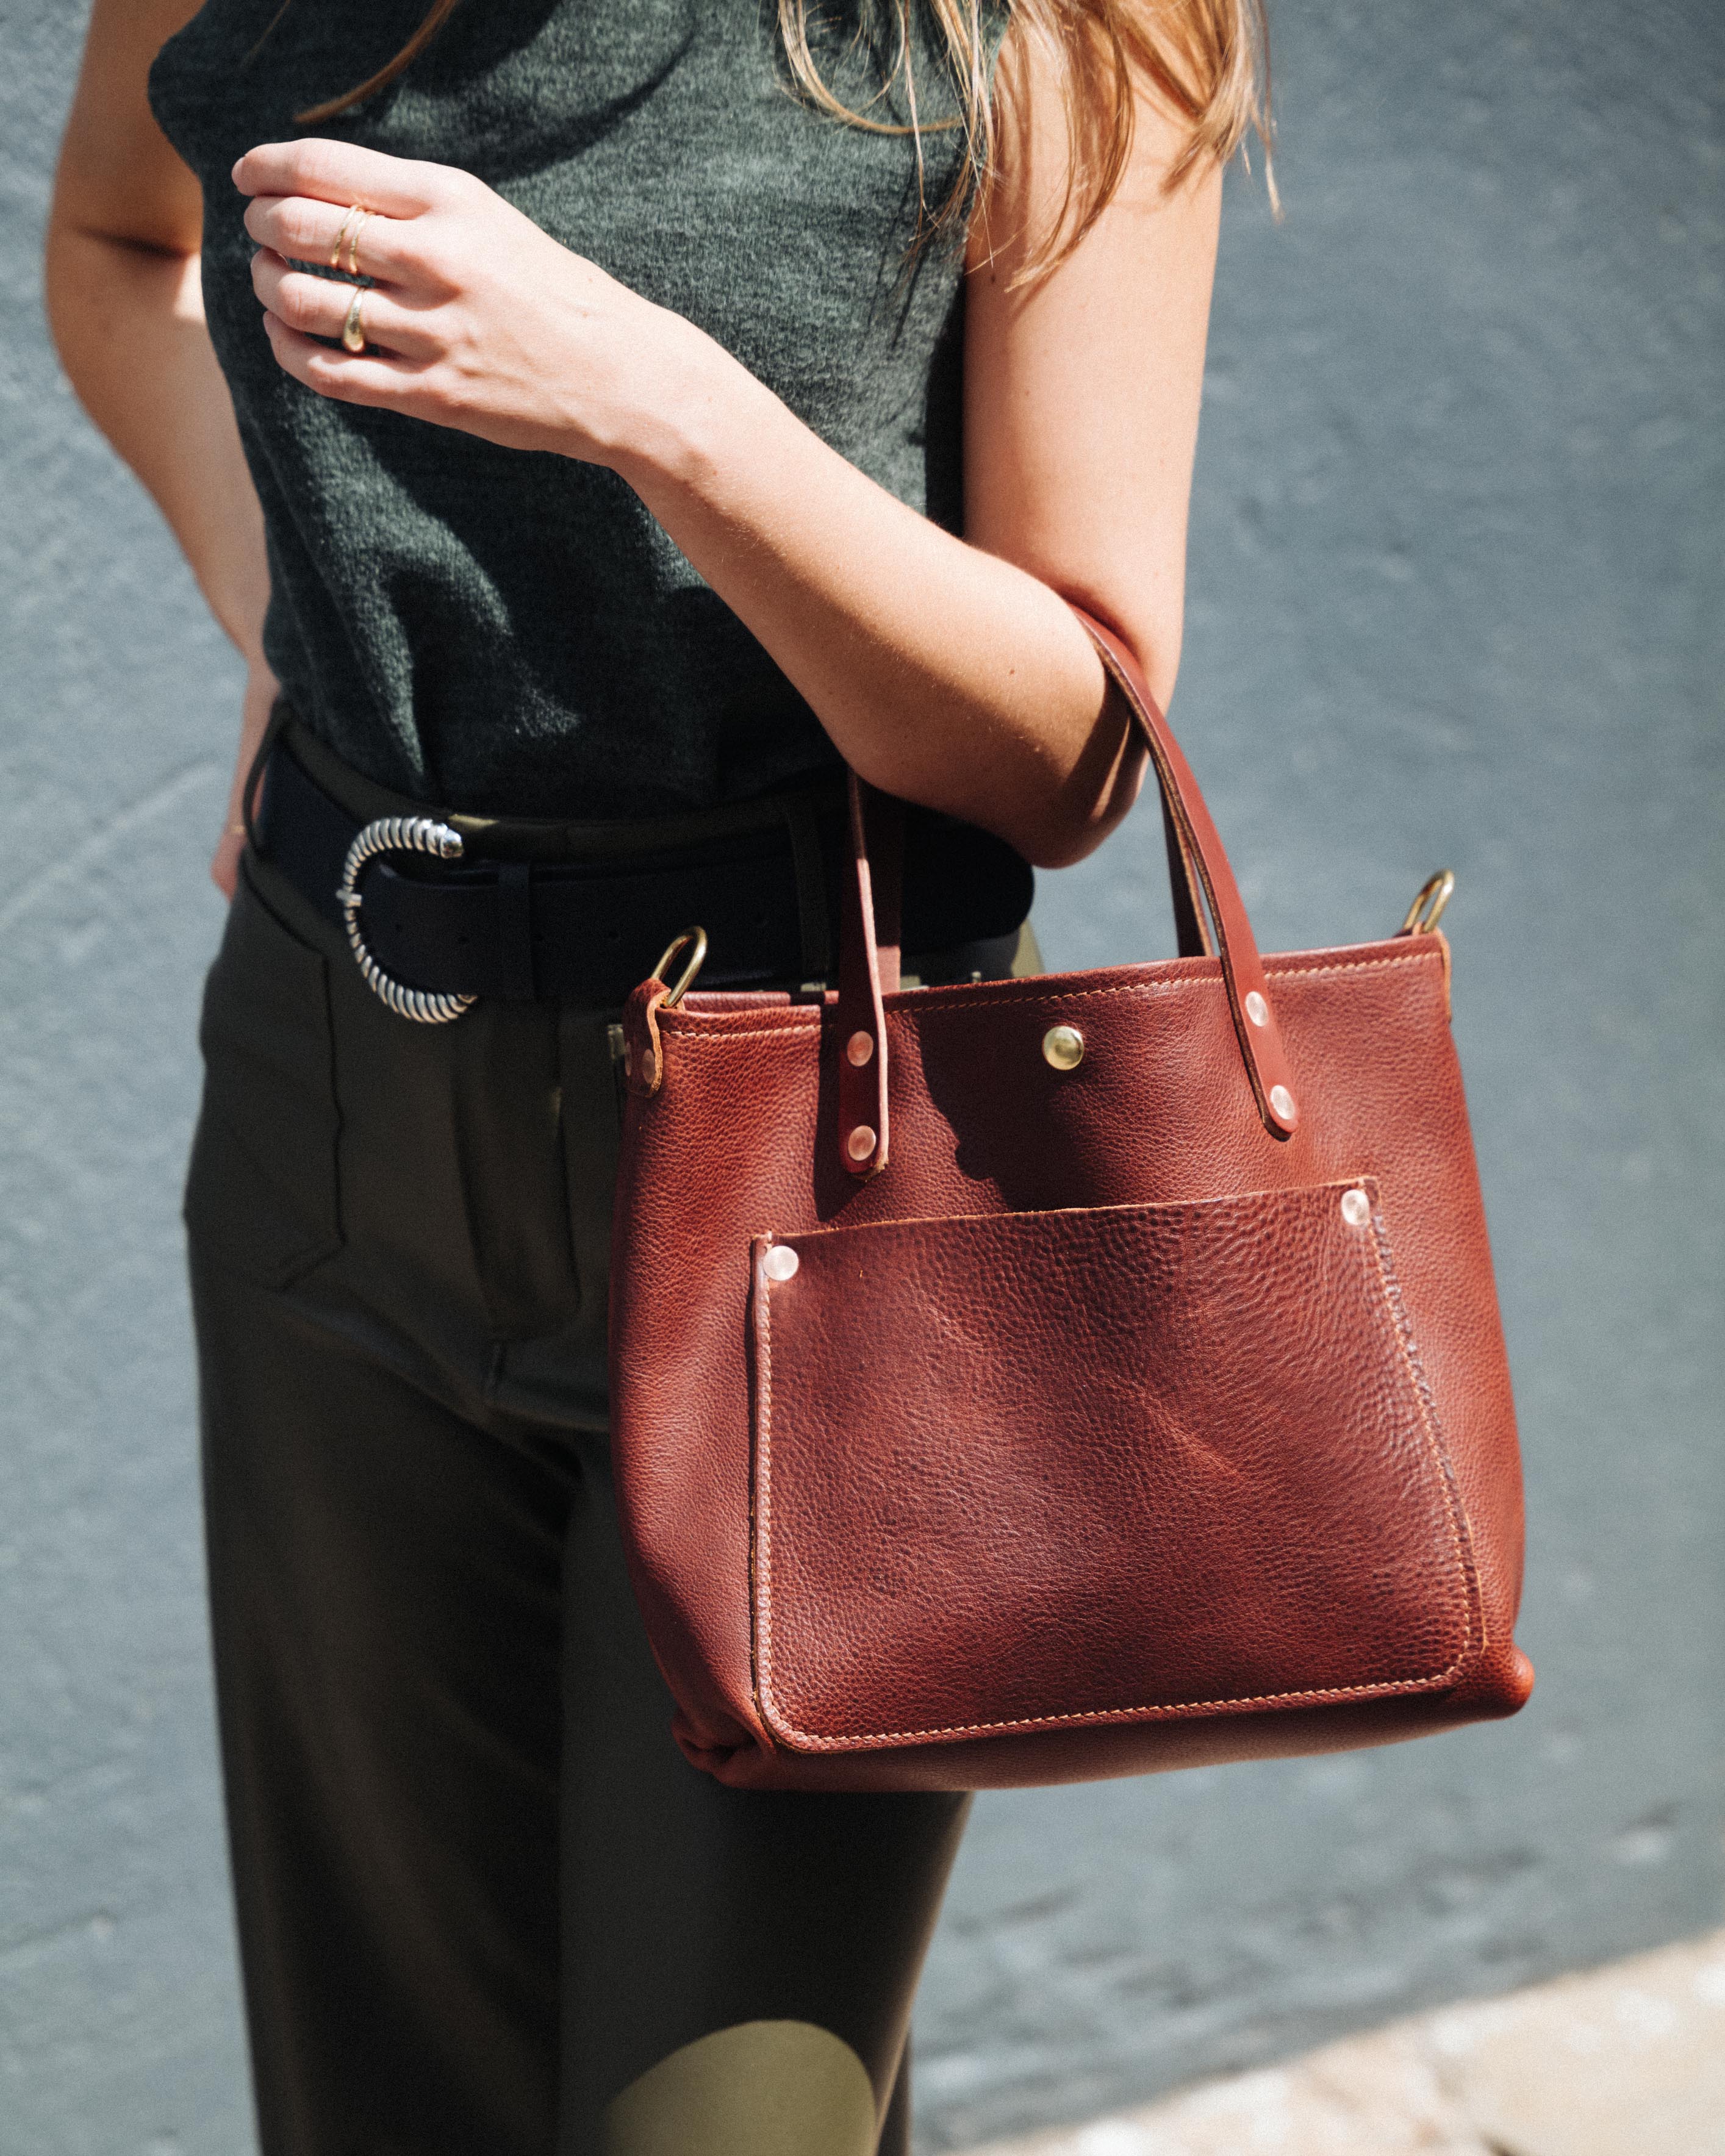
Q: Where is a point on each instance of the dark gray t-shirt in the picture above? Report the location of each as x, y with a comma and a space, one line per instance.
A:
510, 632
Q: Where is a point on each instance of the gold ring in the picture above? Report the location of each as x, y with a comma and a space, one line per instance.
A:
354, 238
341, 234
353, 334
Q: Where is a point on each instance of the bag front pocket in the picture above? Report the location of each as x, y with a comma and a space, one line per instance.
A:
1016, 1471
261, 1189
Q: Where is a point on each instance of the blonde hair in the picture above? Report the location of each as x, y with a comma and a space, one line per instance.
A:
1207, 62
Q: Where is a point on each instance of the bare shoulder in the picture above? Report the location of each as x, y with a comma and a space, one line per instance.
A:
1056, 121
119, 175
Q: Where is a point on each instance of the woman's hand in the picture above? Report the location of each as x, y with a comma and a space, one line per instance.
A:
947, 670
261, 691
475, 319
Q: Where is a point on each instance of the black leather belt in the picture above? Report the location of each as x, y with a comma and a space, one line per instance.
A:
589, 932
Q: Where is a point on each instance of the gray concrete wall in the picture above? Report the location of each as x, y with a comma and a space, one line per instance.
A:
1456, 598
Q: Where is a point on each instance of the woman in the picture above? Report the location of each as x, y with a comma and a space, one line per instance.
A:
613, 387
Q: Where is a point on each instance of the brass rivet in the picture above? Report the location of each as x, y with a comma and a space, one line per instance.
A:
780, 1262
1063, 1046
1356, 1208
1256, 1009
859, 1048
1282, 1101
860, 1143
649, 1065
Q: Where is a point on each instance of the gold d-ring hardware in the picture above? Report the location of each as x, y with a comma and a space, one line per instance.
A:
1433, 896
685, 980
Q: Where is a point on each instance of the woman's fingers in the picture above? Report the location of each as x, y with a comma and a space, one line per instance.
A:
224, 862
319, 306
302, 230
345, 377
342, 172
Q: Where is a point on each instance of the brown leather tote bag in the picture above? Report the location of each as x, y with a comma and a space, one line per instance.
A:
1042, 1379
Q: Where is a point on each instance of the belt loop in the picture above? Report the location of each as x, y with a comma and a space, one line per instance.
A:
809, 867
515, 931
280, 711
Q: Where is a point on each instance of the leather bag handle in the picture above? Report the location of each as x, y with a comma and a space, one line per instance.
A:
1205, 861
1207, 909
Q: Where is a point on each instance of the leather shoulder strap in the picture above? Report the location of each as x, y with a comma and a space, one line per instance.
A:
867, 971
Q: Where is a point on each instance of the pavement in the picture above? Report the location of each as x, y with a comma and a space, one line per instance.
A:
1628, 2059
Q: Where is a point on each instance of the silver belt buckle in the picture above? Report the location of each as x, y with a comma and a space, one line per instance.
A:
398, 834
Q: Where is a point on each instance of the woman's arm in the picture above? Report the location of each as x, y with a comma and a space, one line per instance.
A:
947, 670
128, 314
953, 672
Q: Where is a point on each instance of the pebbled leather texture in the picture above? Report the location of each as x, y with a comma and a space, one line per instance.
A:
1180, 1461
1088, 1437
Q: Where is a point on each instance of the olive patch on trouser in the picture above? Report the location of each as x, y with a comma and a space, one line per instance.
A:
761, 2088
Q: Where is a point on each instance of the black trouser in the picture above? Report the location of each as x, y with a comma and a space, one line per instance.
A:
484, 1904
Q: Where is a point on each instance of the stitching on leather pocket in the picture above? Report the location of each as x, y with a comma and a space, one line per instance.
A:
1025, 1471
262, 1185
